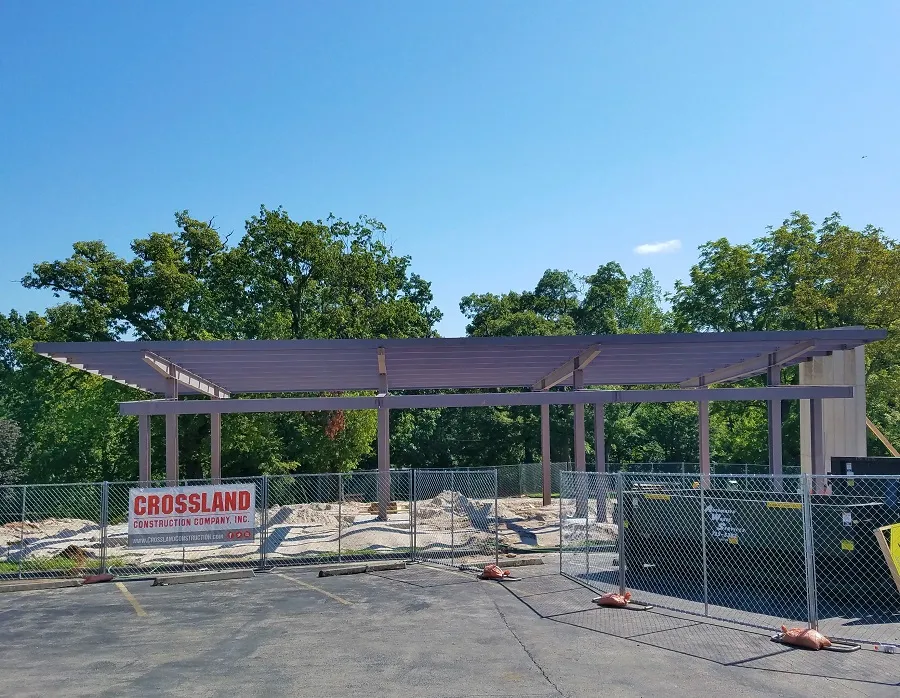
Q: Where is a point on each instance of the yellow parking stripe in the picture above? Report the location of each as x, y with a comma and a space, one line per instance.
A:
313, 587
133, 601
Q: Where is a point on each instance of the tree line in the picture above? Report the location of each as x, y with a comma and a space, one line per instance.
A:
331, 278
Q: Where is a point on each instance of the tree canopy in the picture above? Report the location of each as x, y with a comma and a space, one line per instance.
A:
284, 278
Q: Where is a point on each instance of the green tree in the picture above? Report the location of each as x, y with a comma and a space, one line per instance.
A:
797, 277
603, 302
10, 473
281, 279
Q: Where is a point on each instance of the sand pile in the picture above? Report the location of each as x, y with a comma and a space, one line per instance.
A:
527, 509
49, 528
439, 506
316, 514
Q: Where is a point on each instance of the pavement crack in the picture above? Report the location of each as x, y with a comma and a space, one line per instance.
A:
527, 651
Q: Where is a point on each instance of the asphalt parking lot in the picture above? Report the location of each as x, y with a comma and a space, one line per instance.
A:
423, 632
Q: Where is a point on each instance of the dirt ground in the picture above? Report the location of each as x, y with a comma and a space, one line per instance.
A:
311, 529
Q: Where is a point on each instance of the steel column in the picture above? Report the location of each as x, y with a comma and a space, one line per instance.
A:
580, 457
703, 420
581, 493
144, 470
600, 456
215, 447
384, 462
817, 445
773, 378
384, 438
172, 437
545, 454
600, 436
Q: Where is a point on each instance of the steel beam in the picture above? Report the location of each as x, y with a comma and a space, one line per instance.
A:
184, 377
558, 375
752, 366
571, 397
65, 362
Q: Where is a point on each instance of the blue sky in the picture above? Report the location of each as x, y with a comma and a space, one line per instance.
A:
495, 139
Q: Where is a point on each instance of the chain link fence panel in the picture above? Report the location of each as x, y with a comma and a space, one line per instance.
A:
752, 550
372, 532
304, 519
856, 554
455, 515
58, 532
733, 550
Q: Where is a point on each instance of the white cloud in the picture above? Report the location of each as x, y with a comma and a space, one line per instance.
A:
658, 247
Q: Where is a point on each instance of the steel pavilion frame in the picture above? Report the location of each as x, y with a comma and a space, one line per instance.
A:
219, 370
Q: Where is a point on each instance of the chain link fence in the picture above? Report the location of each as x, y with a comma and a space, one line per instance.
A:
455, 516
752, 550
527, 479
81, 529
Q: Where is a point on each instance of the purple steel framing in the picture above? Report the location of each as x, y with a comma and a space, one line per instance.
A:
310, 366
569, 397
545, 453
773, 378
384, 439
691, 361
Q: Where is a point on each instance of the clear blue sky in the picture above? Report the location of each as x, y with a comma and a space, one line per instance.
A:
495, 139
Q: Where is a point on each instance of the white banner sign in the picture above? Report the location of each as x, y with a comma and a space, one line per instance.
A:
194, 515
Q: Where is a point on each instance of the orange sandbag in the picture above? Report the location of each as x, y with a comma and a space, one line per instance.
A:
808, 638
97, 578
493, 572
614, 600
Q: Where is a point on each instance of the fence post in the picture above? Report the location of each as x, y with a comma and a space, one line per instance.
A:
587, 527
703, 543
620, 520
452, 520
410, 480
562, 495
809, 554
496, 523
340, 498
104, 523
263, 520
22, 533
